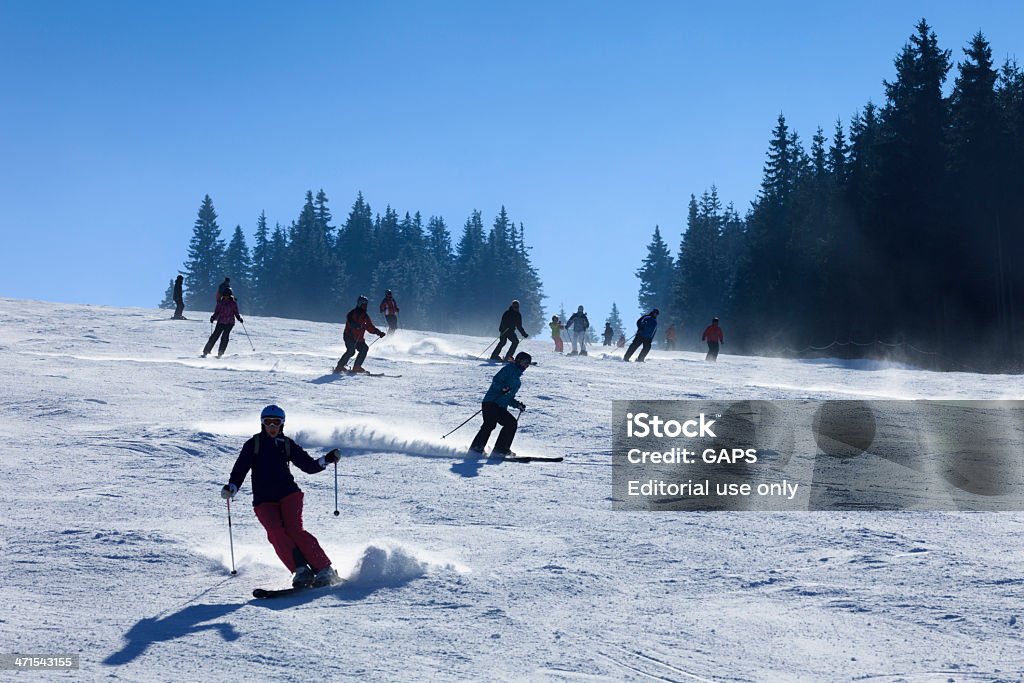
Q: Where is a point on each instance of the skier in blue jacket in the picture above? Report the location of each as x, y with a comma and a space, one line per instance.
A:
646, 326
499, 397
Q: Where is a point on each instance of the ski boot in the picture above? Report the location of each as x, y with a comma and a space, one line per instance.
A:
326, 577
357, 369
303, 577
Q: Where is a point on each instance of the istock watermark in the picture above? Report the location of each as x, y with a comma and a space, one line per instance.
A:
818, 455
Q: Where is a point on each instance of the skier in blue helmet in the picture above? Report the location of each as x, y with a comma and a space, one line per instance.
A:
277, 499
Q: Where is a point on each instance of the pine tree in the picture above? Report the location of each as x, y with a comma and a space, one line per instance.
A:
355, 254
258, 271
238, 266
204, 269
616, 322
168, 300
655, 274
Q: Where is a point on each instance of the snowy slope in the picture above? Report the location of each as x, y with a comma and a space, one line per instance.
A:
114, 540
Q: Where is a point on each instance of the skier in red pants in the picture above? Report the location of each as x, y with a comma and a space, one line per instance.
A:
277, 499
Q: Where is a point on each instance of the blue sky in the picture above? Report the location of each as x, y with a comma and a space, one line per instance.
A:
591, 122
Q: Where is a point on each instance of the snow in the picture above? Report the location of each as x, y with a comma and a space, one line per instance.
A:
114, 538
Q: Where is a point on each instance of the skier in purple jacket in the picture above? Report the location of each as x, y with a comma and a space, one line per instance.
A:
224, 314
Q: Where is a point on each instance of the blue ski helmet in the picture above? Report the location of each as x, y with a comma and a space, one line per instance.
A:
272, 411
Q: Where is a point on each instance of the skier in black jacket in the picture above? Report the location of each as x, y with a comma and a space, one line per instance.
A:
511, 321
277, 499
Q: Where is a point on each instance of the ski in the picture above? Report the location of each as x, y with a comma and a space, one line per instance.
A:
524, 458
355, 374
269, 593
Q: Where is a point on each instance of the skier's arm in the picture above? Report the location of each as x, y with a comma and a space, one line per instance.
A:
242, 465
519, 325
304, 461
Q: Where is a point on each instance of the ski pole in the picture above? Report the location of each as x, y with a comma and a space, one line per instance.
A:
464, 423
231, 539
248, 337
336, 512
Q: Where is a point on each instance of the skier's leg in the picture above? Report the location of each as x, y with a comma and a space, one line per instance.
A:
213, 339
515, 343
496, 354
350, 349
509, 425
490, 421
224, 340
270, 517
363, 349
291, 515
583, 342
644, 351
712, 351
632, 347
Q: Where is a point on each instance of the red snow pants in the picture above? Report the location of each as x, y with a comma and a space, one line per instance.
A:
283, 522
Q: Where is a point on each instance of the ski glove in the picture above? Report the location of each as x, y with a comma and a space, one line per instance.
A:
380, 333
331, 457
520, 405
241, 321
228, 492
212, 317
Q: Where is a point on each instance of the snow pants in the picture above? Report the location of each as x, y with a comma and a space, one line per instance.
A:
558, 344
712, 351
637, 342
392, 323
223, 331
493, 416
293, 544
179, 308
351, 346
508, 336
579, 337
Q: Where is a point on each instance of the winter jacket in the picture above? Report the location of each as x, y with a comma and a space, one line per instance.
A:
556, 330
389, 306
512, 320
505, 385
713, 333
271, 474
646, 326
226, 312
177, 291
357, 322
578, 322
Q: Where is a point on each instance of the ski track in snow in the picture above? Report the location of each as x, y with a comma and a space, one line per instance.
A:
114, 540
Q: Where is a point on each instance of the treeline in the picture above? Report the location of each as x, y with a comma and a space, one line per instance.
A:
314, 271
901, 234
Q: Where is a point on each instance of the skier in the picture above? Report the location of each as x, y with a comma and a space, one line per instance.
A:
179, 302
277, 499
357, 322
578, 324
622, 340
608, 334
646, 325
714, 336
501, 395
670, 337
556, 332
389, 309
511, 320
223, 289
225, 315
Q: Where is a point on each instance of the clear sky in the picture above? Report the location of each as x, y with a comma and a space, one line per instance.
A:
591, 122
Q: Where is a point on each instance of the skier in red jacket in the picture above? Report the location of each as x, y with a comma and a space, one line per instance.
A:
714, 336
389, 309
357, 323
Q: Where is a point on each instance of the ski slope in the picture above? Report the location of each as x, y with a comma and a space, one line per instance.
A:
114, 538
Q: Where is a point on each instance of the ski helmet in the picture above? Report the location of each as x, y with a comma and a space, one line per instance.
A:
228, 292
362, 300
387, 293
272, 411
579, 310
515, 302
655, 311
524, 357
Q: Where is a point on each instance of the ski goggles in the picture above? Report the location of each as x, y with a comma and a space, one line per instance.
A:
272, 422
